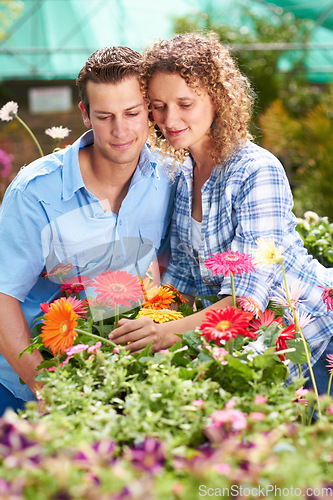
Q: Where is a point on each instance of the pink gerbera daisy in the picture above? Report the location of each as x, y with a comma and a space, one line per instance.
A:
327, 296
78, 306
118, 287
248, 304
227, 262
225, 324
329, 359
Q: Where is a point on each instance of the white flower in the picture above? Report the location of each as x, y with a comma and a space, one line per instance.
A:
8, 111
294, 292
57, 132
304, 318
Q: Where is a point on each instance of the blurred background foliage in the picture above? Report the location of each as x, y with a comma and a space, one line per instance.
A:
292, 117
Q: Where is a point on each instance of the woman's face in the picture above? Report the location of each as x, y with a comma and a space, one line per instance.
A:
183, 115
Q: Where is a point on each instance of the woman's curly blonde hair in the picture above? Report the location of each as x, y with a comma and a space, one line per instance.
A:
204, 63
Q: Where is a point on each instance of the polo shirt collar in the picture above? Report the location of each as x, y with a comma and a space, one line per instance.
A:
72, 179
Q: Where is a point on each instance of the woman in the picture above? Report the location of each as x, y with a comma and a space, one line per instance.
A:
230, 193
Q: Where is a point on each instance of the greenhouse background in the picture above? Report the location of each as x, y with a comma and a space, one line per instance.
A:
285, 48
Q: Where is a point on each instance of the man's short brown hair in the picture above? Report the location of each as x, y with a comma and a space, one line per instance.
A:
108, 65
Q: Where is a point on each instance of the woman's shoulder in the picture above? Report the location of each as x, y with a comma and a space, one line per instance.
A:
251, 158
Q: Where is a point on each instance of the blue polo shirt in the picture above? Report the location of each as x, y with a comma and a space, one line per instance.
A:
48, 218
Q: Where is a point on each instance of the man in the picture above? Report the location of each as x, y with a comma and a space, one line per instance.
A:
103, 203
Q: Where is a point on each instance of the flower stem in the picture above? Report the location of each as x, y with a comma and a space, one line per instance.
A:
31, 134
329, 383
96, 337
101, 327
299, 330
233, 289
116, 315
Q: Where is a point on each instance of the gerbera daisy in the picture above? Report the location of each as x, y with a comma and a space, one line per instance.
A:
267, 253
327, 296
149, 289
176, 295
295, 291
304, 318
75, 284
161, 300
118, 287
58, 132
265, 318
225, 324
248, 304
329, 359
160, 315
286, 334
58, 271
8, 111
79, 307
226, 262
58, 330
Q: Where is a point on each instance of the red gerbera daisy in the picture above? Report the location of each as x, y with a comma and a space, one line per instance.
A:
327, 296
79, 307
118, 287
75, 284
225, 324
265, 318
226, 262
286, 334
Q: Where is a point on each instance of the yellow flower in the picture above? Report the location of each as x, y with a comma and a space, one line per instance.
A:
160, 315
267, 253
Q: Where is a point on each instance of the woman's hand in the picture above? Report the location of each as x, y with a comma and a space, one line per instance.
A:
136, 334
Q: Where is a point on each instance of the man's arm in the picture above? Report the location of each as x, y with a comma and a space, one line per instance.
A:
14, 337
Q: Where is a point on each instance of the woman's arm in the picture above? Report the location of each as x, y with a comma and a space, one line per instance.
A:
138, 333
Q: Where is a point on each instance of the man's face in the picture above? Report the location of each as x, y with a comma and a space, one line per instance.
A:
119, 119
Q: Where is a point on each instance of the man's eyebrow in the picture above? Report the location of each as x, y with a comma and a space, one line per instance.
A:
127, 109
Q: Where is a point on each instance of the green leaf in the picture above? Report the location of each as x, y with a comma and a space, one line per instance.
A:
297, 357
35, 343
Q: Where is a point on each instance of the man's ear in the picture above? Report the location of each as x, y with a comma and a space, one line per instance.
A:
85, 117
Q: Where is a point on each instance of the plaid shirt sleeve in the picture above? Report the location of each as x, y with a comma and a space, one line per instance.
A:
259, 197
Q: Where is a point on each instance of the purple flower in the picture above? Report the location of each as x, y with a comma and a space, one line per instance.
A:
100, 452
15, 447
5, 163
148, 455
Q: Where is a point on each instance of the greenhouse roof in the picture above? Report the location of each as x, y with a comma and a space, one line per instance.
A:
52, 39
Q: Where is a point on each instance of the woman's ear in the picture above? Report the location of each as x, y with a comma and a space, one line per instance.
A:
85, 117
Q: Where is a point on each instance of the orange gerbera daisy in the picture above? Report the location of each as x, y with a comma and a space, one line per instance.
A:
58, 330
176, 295
225, 324
118, 287
160, 315
161, 300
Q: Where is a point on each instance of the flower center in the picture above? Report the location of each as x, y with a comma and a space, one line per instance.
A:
330, 293
231, 257
117, 288
64, 327
223, 325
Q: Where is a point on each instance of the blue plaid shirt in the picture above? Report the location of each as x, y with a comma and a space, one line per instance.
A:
248, 198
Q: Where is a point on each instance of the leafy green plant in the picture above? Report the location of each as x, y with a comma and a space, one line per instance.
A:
317, 235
